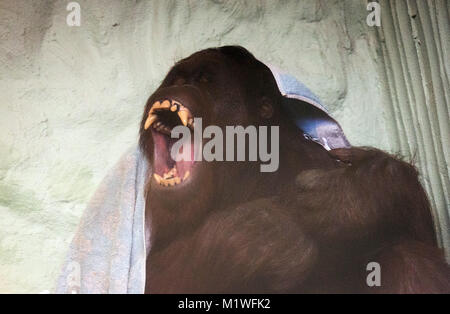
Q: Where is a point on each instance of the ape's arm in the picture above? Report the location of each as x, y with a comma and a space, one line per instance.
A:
375, 197
255, 247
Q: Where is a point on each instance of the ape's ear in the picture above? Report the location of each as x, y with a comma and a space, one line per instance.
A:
265, 108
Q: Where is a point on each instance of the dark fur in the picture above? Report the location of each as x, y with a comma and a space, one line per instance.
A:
312, 226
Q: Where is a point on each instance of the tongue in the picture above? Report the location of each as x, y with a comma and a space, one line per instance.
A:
163, 162
183, 166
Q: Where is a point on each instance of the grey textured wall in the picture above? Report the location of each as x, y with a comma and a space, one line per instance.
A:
72, 97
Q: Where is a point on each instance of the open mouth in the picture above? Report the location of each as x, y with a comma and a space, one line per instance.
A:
162, 118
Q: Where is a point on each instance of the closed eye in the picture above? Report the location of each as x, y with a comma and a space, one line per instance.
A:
175, 77
204, 77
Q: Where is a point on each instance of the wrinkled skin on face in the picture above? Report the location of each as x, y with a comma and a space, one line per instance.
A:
311, 226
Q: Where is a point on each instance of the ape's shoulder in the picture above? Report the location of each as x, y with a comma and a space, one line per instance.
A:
371, 194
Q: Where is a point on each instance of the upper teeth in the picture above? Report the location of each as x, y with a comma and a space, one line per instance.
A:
184, 116
183, 113
151, 118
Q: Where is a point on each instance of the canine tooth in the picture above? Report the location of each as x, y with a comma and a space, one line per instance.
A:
183, 114
165, 104
186, 175
150, 119
157, 178
156, 105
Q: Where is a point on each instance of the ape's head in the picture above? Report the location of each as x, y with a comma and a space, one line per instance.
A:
223, 86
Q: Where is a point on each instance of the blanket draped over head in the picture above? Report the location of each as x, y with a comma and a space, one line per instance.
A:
108, 253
